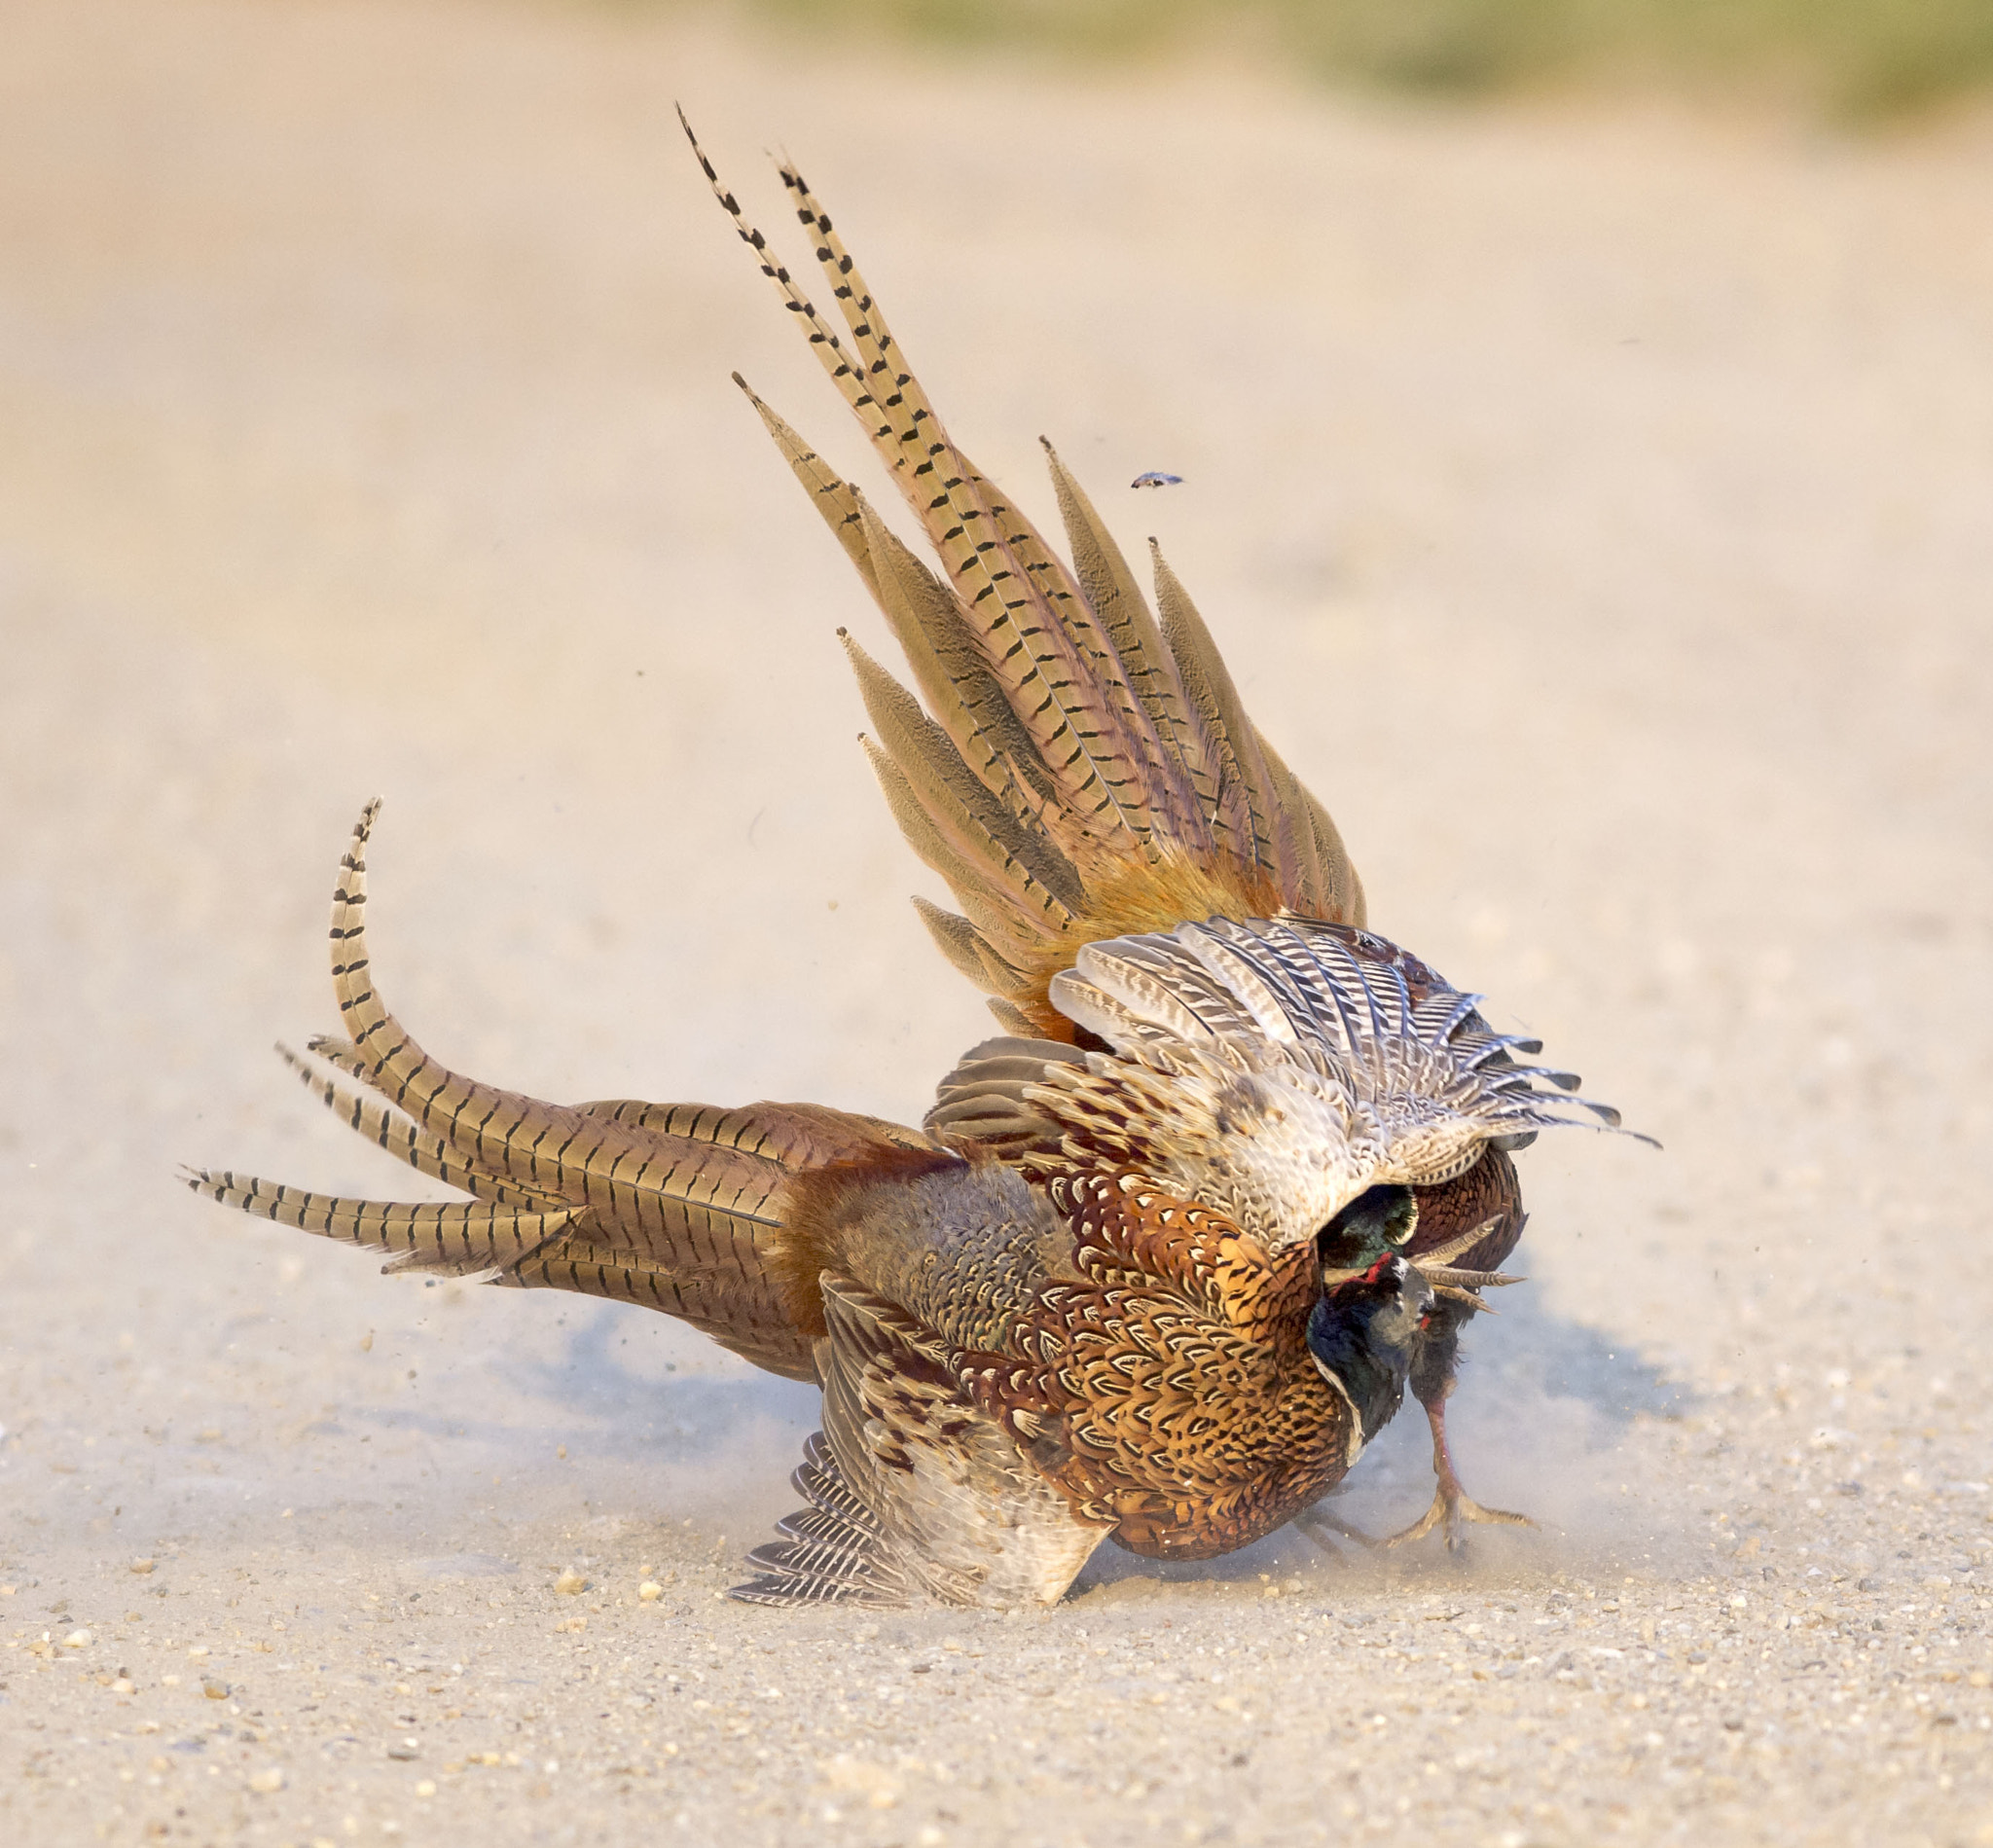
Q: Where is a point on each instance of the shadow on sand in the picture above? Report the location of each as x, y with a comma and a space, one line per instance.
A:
1543, 1404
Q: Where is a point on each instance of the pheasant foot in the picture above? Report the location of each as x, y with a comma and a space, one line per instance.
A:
1452, 1509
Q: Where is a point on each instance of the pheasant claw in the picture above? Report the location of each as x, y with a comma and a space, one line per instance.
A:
1452, 1512
1452, 1509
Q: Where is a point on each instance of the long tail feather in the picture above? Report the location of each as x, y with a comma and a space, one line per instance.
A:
1018, 604
1025, 866
683, 1207
457, 1237
1126, 789
1190, 779
978, 710
1035, 627
654, 1183
426, 1154
1247, 805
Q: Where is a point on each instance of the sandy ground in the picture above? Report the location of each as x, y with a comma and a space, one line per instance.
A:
1595, 510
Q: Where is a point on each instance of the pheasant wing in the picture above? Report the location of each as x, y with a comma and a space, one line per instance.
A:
914, 1492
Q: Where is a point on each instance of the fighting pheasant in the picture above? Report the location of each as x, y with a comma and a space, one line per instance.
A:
1163, 1257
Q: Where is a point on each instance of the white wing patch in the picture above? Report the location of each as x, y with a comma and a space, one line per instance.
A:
1274, 1070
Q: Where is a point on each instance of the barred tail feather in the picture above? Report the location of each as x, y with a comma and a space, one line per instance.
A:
1187, 768
456, 1238
1028, 615
684, 1208
1022, 866
836, 500
929, 623
1247, 807
1083, 769
425, 1154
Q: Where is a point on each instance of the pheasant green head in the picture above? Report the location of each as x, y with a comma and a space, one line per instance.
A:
1361, 1331
1377, 1222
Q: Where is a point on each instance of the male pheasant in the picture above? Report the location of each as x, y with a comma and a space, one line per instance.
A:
1163, 1257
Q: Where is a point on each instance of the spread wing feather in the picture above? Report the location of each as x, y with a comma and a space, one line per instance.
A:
914, 1490
1271, 1069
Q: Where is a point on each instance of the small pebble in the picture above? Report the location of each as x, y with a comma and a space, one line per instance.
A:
215, 1691
571, 1583
427, 1788
267, 1781
650, 1591
78, 1640
143, 1566
124, 1685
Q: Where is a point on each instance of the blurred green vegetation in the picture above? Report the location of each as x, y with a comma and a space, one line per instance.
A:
1854, 59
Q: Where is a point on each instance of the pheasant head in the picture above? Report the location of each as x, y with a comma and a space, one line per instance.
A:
1361, 1332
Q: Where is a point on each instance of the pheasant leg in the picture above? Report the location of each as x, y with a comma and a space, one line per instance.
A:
1452, 1506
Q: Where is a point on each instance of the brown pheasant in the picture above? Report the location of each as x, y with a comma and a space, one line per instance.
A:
1164, 1256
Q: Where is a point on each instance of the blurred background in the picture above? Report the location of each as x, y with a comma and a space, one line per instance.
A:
1849, 60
